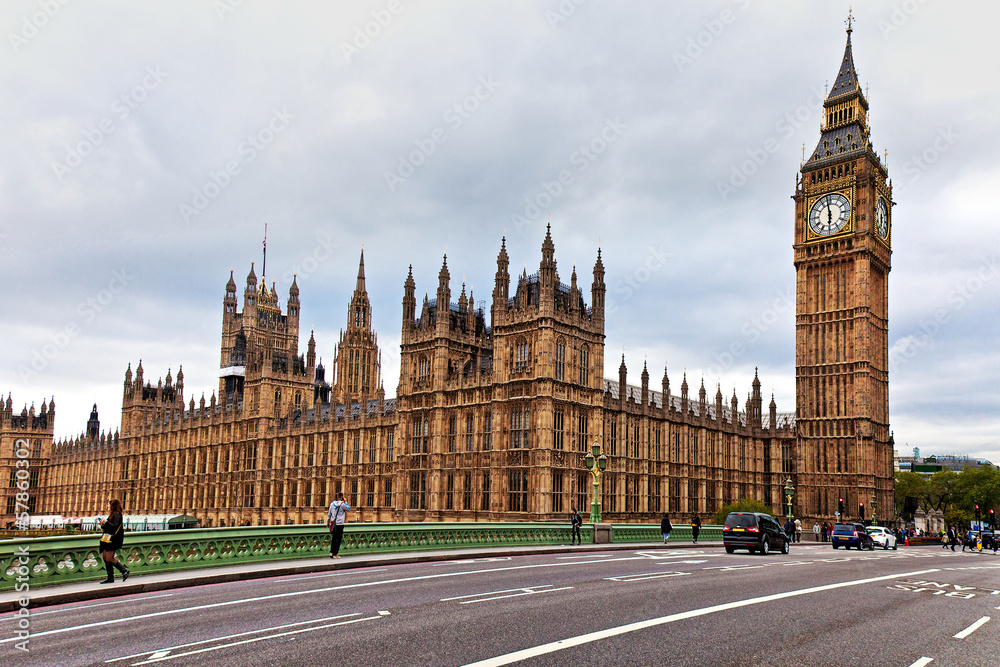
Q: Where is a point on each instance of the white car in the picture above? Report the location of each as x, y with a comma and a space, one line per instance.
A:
882, 537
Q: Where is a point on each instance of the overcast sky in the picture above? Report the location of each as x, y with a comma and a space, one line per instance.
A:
145, 148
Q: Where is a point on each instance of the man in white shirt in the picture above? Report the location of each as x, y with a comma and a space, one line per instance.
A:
335, 519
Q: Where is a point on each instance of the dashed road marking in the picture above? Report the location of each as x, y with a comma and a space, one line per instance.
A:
157, 653
972, 628
509, 593
569, 642
644, 577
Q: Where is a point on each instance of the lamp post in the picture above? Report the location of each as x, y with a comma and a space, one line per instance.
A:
874, 509
789, 492
596, 463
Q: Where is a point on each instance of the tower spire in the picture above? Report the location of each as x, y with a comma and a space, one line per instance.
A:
263, 267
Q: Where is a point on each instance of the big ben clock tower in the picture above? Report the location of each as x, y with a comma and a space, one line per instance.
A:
842, 249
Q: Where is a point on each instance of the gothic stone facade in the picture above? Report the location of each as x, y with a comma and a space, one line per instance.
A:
492, 417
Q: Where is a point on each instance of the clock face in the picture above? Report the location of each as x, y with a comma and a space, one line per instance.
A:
830, 214
882, 218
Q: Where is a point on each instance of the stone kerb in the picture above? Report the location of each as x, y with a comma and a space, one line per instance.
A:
54, 560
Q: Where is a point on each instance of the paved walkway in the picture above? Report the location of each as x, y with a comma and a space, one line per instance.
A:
144, 583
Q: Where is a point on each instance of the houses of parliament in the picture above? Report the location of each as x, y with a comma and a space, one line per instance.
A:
494, 411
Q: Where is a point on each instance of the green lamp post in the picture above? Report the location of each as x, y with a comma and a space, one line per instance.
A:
789, 492
596, 463
874, 508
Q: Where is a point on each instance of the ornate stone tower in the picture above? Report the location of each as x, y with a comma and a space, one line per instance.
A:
358, 363
843, 207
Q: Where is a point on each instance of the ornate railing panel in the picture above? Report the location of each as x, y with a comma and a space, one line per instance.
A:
53, 560
637, 532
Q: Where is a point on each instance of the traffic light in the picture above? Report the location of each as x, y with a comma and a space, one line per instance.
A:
991, 517
977, 513
861, 510
840, 506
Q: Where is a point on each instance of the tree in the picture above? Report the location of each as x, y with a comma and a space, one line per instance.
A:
745, 505
910, 485
977, 486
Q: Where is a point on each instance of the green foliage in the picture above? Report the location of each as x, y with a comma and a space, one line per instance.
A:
745, 505
954, 493
910, 485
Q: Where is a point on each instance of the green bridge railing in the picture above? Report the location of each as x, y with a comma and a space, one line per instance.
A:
53, 560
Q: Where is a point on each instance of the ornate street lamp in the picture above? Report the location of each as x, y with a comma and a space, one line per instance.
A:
789, 492
596, 463
874, 508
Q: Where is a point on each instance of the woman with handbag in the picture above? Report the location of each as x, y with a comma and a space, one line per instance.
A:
111, 541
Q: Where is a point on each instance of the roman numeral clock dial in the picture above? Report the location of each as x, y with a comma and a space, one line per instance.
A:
830, 214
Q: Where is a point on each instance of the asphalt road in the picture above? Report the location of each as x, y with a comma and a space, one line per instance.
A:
916, 606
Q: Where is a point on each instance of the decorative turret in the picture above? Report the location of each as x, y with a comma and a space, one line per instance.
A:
622, 377
665, 388
755, 403
293, 298
718, 402
444, 290
772, 410
229, 302
409, 301
501, 289
644, 397
93, 424
597, 289
684, 393
547, 267
311, 350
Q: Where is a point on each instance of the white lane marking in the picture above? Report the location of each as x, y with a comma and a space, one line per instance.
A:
327, 589
972, 628
466, 561
584, 556
312, 576
922, 662
167, 649
159, 654
643, 577
256, 639
684, 562
509, 593
383, 613
98, 604
569, 642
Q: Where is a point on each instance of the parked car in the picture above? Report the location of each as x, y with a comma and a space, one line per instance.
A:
753, 531
849, 535
882, 537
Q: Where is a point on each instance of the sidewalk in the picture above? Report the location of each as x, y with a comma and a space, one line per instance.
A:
146, 583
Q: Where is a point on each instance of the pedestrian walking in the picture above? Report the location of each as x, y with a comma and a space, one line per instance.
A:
798, 530
952, 537
575, 521
335, 519
695, 528
789, 530
816, 532
111, 541
665, 527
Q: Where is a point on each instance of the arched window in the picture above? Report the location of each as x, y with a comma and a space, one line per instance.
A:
584, 366
560, 359
521, 354
423, 367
